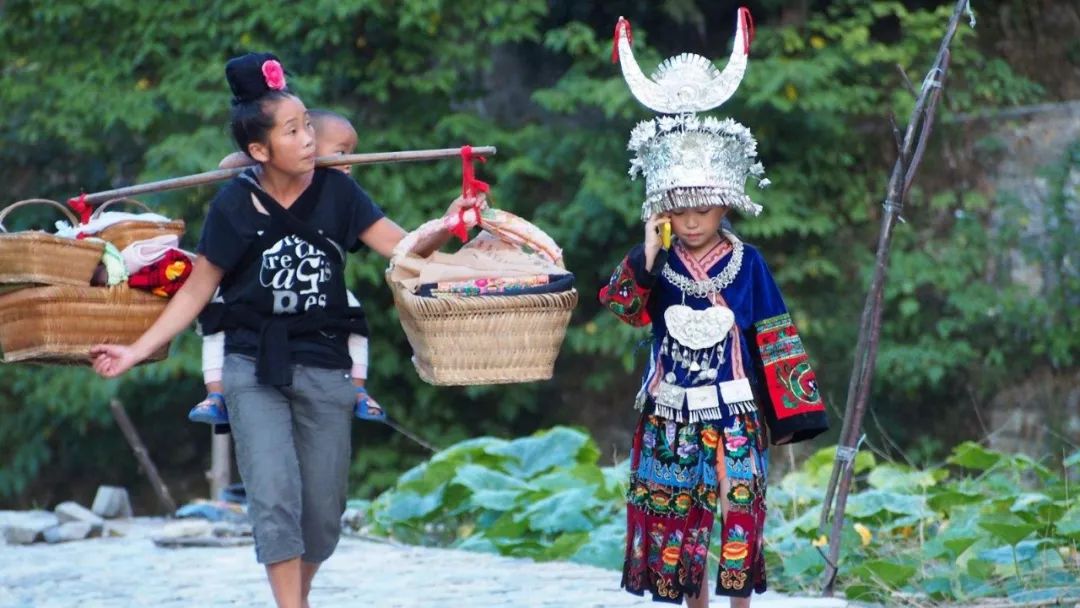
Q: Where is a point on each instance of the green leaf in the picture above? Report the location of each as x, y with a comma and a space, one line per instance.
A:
1069, 524
973, 456
980, 569
408, 506
804, 562
478, 544
1072, 461
863, 592
476, 478
1029, 502
1009, 529
958, 544
891, 574
495, 500
887, 476
559, 446
566, 511
605, 546
947, 498
881, 503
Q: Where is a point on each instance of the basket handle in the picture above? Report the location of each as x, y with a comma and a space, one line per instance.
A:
36, 201
101, 208
429, 228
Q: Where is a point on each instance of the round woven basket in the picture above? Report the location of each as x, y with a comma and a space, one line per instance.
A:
39, 258
59, 324
122, 234
460, 341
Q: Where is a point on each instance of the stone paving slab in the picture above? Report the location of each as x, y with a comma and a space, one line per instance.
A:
132, 571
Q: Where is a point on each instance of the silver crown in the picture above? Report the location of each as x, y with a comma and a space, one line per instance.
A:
688, 161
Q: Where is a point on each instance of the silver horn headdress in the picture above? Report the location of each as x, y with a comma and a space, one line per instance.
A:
689, 161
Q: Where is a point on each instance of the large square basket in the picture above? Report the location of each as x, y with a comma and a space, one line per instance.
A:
59, 324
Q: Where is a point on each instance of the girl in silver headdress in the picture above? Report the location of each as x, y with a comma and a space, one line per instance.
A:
727, 369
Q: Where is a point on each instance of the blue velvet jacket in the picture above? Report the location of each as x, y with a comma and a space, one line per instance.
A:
770, 353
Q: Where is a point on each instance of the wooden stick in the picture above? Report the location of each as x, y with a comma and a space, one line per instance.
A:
209, 177
220, 472
862, 373
143, 456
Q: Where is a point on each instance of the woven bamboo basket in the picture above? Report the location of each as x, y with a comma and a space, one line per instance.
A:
122, 234
59, 324
38, 258
481, 339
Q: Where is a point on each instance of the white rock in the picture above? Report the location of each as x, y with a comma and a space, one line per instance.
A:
191, 527
72, 511
25, 527
111, 502
72, 530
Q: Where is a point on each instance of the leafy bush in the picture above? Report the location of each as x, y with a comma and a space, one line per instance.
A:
984, 524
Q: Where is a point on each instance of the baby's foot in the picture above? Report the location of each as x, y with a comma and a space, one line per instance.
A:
210, 410
366, 407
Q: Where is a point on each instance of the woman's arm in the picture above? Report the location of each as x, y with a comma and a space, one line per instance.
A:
112, 360
385, 234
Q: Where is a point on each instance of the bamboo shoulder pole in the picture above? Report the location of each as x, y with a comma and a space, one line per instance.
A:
209, 177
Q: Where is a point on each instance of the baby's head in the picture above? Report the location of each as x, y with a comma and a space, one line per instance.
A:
334, 135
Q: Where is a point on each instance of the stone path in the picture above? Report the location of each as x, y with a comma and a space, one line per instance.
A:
132, 571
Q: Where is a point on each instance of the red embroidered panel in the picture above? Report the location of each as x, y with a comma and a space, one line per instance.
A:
625, 297
790, 381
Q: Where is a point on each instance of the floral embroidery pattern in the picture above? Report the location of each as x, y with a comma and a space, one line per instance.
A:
673, 500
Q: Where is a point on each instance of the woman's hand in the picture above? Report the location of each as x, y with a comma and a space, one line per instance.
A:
653, 242
460, 203
111, 360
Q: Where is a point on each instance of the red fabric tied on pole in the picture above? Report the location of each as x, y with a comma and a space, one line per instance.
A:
470, 186
79, 205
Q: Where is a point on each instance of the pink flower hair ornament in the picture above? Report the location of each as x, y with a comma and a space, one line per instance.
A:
274, 74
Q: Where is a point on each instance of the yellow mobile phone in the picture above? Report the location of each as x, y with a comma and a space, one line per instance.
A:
665, 235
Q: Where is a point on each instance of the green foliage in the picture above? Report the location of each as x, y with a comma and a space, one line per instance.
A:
108, 92
997, 525
542, 496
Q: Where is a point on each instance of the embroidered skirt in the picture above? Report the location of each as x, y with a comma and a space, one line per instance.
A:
679, 474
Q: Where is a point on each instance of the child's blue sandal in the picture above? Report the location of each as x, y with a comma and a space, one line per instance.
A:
210, 410
365, 405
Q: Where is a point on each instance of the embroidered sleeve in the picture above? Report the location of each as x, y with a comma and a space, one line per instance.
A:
627, 293
794, 407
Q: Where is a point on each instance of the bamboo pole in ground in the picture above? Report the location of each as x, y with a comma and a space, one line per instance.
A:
143, 456
911, 150
209, 177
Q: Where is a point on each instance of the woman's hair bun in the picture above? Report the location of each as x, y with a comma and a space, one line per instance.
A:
253, 75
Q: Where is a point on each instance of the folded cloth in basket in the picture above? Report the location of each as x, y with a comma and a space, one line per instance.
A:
486, 261
103, 221
141, 254
501, 286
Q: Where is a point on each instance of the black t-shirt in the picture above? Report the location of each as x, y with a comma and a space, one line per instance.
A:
271, 271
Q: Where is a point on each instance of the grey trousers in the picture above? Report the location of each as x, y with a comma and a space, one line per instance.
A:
293, 453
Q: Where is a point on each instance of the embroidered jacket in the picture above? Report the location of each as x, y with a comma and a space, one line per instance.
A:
762, 345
